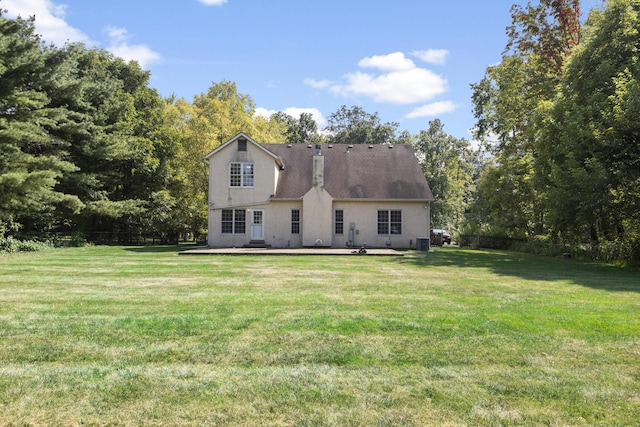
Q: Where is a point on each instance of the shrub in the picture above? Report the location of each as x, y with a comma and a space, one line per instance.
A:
12, 245
627, 251
540, 245
607, 251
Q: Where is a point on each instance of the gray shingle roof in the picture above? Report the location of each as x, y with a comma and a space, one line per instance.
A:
359, 171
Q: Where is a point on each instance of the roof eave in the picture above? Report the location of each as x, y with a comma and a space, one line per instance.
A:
384, 200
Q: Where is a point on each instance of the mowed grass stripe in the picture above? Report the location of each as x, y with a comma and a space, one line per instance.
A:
142, 336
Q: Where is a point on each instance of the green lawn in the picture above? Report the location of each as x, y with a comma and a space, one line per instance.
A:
144, 336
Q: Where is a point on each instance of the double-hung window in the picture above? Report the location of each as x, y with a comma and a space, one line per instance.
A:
390, 222
241, 174
295, 221
234, 221
339, 221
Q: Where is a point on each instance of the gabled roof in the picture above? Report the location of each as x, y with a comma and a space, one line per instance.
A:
357, 171
235, 138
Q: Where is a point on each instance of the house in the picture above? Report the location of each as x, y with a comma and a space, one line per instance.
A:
298, 195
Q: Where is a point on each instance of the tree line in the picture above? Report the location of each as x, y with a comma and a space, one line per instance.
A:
562, 109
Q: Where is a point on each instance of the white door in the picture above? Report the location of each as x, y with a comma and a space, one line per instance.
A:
257, 224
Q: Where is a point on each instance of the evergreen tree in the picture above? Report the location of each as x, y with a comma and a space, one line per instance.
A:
114, 127
32, 161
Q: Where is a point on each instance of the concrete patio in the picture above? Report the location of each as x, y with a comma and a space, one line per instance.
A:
301, 251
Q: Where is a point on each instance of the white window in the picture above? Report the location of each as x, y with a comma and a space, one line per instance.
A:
339, 222
390, 222
295, 221
233, 221
241, 175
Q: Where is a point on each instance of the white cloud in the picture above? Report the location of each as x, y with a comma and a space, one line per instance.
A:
432, 56
295, 112
395, 79
398, 87
50, 20
433, 109
213, 2
318, 84
117, 34
393, 62
138, 52
264, 112
51, 25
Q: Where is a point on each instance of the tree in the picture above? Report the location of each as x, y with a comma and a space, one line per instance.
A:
594, 135
31, 160
112, 122
303, 130
502, 203
355, 126
510, 102
445, 162
547, 32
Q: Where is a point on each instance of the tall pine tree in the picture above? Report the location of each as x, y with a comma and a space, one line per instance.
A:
32, 161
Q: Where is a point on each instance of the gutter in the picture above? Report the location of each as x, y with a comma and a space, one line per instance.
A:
244, 205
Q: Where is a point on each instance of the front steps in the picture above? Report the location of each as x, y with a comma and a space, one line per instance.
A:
257, 244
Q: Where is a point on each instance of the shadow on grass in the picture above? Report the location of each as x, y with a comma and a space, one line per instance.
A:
532, 267
162, 248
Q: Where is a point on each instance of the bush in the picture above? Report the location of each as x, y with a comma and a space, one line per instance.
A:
12, 245
627, 251
75, 240
541, 245
616, 251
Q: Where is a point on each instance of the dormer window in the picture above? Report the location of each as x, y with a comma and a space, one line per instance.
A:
241, 175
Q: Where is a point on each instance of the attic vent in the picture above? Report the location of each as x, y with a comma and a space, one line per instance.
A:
309, 146
390, 146
288, 145
242, 144
370, 146
330, 145
350, 146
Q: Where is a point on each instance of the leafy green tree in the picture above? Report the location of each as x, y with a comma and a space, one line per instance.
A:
510, 103
303, 130
446, 164
501, 204
356, 126
594, 134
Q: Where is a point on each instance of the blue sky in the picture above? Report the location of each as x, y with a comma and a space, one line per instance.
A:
408, 60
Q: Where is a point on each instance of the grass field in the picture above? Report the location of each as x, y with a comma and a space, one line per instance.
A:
143, 336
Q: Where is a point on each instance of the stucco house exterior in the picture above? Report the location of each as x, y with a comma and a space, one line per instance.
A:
298, 195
